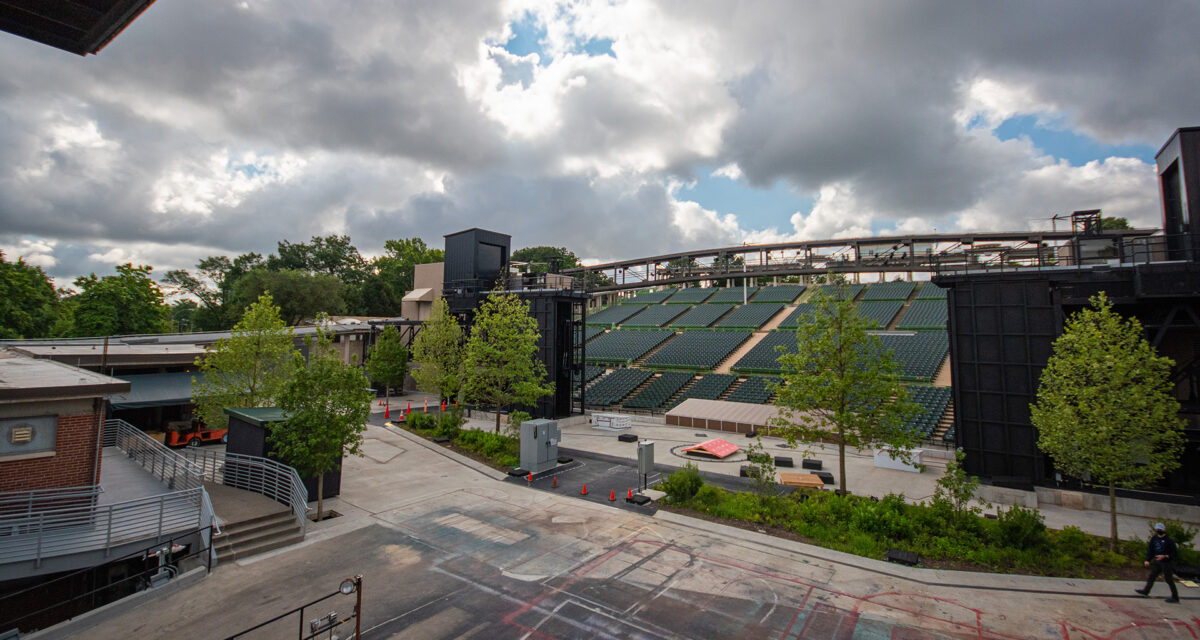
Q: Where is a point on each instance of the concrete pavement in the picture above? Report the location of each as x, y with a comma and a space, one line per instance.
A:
447, 549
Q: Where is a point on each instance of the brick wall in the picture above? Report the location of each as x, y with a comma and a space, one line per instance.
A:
73, 464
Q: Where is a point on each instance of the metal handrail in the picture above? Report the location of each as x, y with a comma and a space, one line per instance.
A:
166, 465
56, 532
270, 478
16, 503
64, 521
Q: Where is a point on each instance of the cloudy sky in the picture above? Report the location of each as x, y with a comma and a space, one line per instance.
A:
616, 129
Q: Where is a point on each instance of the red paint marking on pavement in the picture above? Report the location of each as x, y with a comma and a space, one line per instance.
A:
1112, 635
799, 608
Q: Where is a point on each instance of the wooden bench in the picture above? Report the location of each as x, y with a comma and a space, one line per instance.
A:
805, 480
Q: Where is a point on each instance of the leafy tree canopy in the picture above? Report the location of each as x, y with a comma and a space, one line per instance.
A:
301, 295
1113, 223
388, 362
1105, 409
28, 301
438, 352
501, 367
540, 258
842, 384
126, 303
326, 403
248, 368
332, 255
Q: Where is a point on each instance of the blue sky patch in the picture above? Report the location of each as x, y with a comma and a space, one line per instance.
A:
598, 47
527, 37
1076, 148
755, 208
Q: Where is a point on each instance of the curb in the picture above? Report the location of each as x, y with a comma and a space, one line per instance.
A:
448, 453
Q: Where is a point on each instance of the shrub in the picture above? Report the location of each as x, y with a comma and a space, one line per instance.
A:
1021, 528
449, 424
683, 484
709, 496
421, 422
1183, 536
1073, 542
500, 449
514, 423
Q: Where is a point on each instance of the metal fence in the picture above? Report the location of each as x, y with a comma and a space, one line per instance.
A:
173, 469
59, 522
270, 478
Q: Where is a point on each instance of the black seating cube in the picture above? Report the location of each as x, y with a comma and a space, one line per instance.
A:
825, 476
638, 499
902, 557
441, 440
751, 434
627, 437
565, 459
811, 465
748, 471
783, 461
518, 473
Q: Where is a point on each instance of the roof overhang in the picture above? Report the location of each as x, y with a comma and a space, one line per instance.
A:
78, 26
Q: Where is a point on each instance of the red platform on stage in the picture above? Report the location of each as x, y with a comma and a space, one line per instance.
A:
716, 448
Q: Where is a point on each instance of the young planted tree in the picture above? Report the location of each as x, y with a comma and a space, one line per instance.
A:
438, 352
1105, 411
388, 362
501, 367
326, 403
248, 368
842, 384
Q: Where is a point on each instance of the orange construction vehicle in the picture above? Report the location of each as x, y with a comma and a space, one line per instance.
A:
193, 433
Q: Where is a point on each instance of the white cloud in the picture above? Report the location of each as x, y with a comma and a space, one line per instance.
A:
220, 181
35, 251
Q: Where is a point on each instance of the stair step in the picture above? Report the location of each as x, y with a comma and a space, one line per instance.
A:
248, 537
258, 522
262, 545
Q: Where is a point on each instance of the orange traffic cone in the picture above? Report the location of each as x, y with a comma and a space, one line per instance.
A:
426, 409
555, 482
630, 496
443, 405
612, 495
584, 492
408, 409
456, 403
387, 412
530, 478
381, 402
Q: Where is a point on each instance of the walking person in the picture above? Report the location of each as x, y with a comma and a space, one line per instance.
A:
1160, 557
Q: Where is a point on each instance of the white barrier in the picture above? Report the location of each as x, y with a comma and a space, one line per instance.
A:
884, 461
611, 421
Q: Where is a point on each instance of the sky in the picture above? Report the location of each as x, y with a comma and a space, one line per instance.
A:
615, 129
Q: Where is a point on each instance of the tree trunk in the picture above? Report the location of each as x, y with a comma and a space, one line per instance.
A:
497, 418
320, 496
842, 466
1112, 516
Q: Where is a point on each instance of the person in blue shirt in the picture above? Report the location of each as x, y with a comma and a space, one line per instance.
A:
1160, 557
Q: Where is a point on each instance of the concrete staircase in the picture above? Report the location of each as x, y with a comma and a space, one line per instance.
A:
259, 534
944, 424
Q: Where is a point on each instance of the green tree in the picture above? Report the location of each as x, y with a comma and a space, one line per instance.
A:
843, 383
212, 286
248, 368
331, 255
396, 268
300, 295
438, 352
1105, 411
540, 258
956, 488
501, 367
1113, 223
326, 403
388, 362
28, 301
125, 303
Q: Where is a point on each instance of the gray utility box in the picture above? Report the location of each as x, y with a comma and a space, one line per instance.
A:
646, 457
539, 445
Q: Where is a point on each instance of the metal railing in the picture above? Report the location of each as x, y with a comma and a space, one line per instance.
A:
26, 503
270, 478
166, 465
50, 525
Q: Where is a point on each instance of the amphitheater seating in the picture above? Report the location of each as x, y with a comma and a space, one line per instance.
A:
832, 290
615, 314
654, 316
785, 293
656, 394
697, 350
710, 387
793, 320
623, 347
612, 388
919, 354
754, 390
650, 297
764, 358
880, 313
930, 291
700, 316
933, 402
749, 316
693, 295
592, 332
889, 291
925, 314
732, 295
948, 437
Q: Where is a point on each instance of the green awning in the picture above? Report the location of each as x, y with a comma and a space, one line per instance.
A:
156, 390
258, 416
